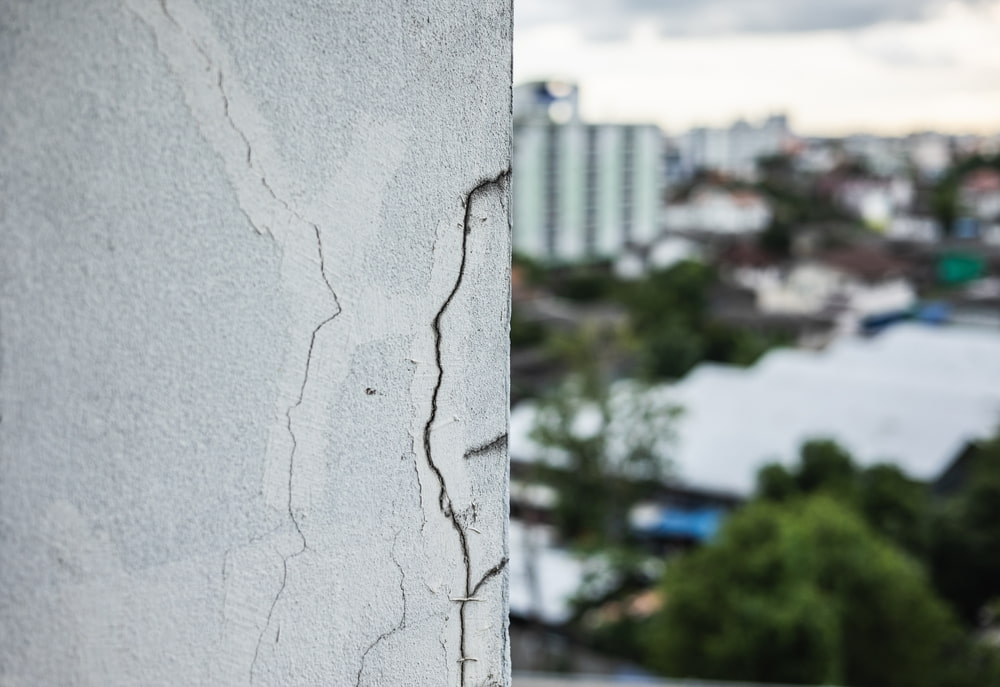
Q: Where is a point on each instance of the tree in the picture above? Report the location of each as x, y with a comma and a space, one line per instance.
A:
525, 333
894, 505
944, 198
776, 239
965, 555
826, 466
776, 483
671, 319
802, 592
604, 448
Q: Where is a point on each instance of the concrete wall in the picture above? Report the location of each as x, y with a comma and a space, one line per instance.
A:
253, 327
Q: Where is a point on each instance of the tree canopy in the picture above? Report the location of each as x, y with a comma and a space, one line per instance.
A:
605, 446
802, 592
894, 505
965, 550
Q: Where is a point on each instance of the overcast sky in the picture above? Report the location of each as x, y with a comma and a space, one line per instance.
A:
835, 66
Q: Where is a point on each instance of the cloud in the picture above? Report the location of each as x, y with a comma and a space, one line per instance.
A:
613, 19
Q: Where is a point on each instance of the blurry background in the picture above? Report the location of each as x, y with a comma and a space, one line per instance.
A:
756, 342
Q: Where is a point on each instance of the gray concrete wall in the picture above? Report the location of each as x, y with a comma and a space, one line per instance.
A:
253, 342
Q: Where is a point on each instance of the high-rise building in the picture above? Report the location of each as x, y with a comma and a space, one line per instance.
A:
580, 191
546, 102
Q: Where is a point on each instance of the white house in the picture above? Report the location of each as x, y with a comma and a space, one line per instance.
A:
716, 210
851, 284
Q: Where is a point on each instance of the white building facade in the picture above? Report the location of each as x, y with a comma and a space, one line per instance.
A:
718, 211
736, 149
584, 191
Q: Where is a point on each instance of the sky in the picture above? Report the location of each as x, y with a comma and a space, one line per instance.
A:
834, 66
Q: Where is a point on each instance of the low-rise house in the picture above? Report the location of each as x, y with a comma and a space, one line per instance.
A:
979, 195
663, 253
913, 228
716, 210
875, 201
849, 284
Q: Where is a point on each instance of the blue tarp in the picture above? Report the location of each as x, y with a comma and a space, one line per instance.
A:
699, 524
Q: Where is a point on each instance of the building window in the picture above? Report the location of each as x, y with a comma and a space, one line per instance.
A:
628, 174
551, 181
590, 194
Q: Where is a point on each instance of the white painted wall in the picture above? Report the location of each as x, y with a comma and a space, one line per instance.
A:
253, 343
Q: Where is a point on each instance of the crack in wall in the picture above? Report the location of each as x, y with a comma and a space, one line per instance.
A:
304, 546
401, 625
444, 500
497, 444
166, 13
420, 489
225, 112
270, 613
225, 97
254, 165
490, 574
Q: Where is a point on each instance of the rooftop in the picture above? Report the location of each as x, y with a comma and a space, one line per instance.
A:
913, 396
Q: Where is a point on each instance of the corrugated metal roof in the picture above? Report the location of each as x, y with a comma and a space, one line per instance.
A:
912, 396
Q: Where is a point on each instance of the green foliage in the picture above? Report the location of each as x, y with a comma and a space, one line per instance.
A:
670, 350
605, 450
525, 333
777, 167
776, 239
802, 592
584, 284
795, 204
776, 483
669, 313
725, 344
945, 203
895, 506
965, 555
679, 292
534, 272
669, 325
825, 466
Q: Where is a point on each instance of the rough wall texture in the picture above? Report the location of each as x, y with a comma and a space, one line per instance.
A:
253, 328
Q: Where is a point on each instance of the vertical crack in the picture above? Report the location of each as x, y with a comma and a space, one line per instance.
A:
167, 14
303, 546
401, 625
444, 500
193, 88
420, 490
225, 112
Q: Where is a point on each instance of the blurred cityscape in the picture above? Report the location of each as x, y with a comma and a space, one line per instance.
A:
755, 402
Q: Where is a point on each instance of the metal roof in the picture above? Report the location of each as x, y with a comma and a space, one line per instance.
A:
912, 396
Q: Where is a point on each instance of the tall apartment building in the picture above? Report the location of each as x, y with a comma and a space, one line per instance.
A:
580, 191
